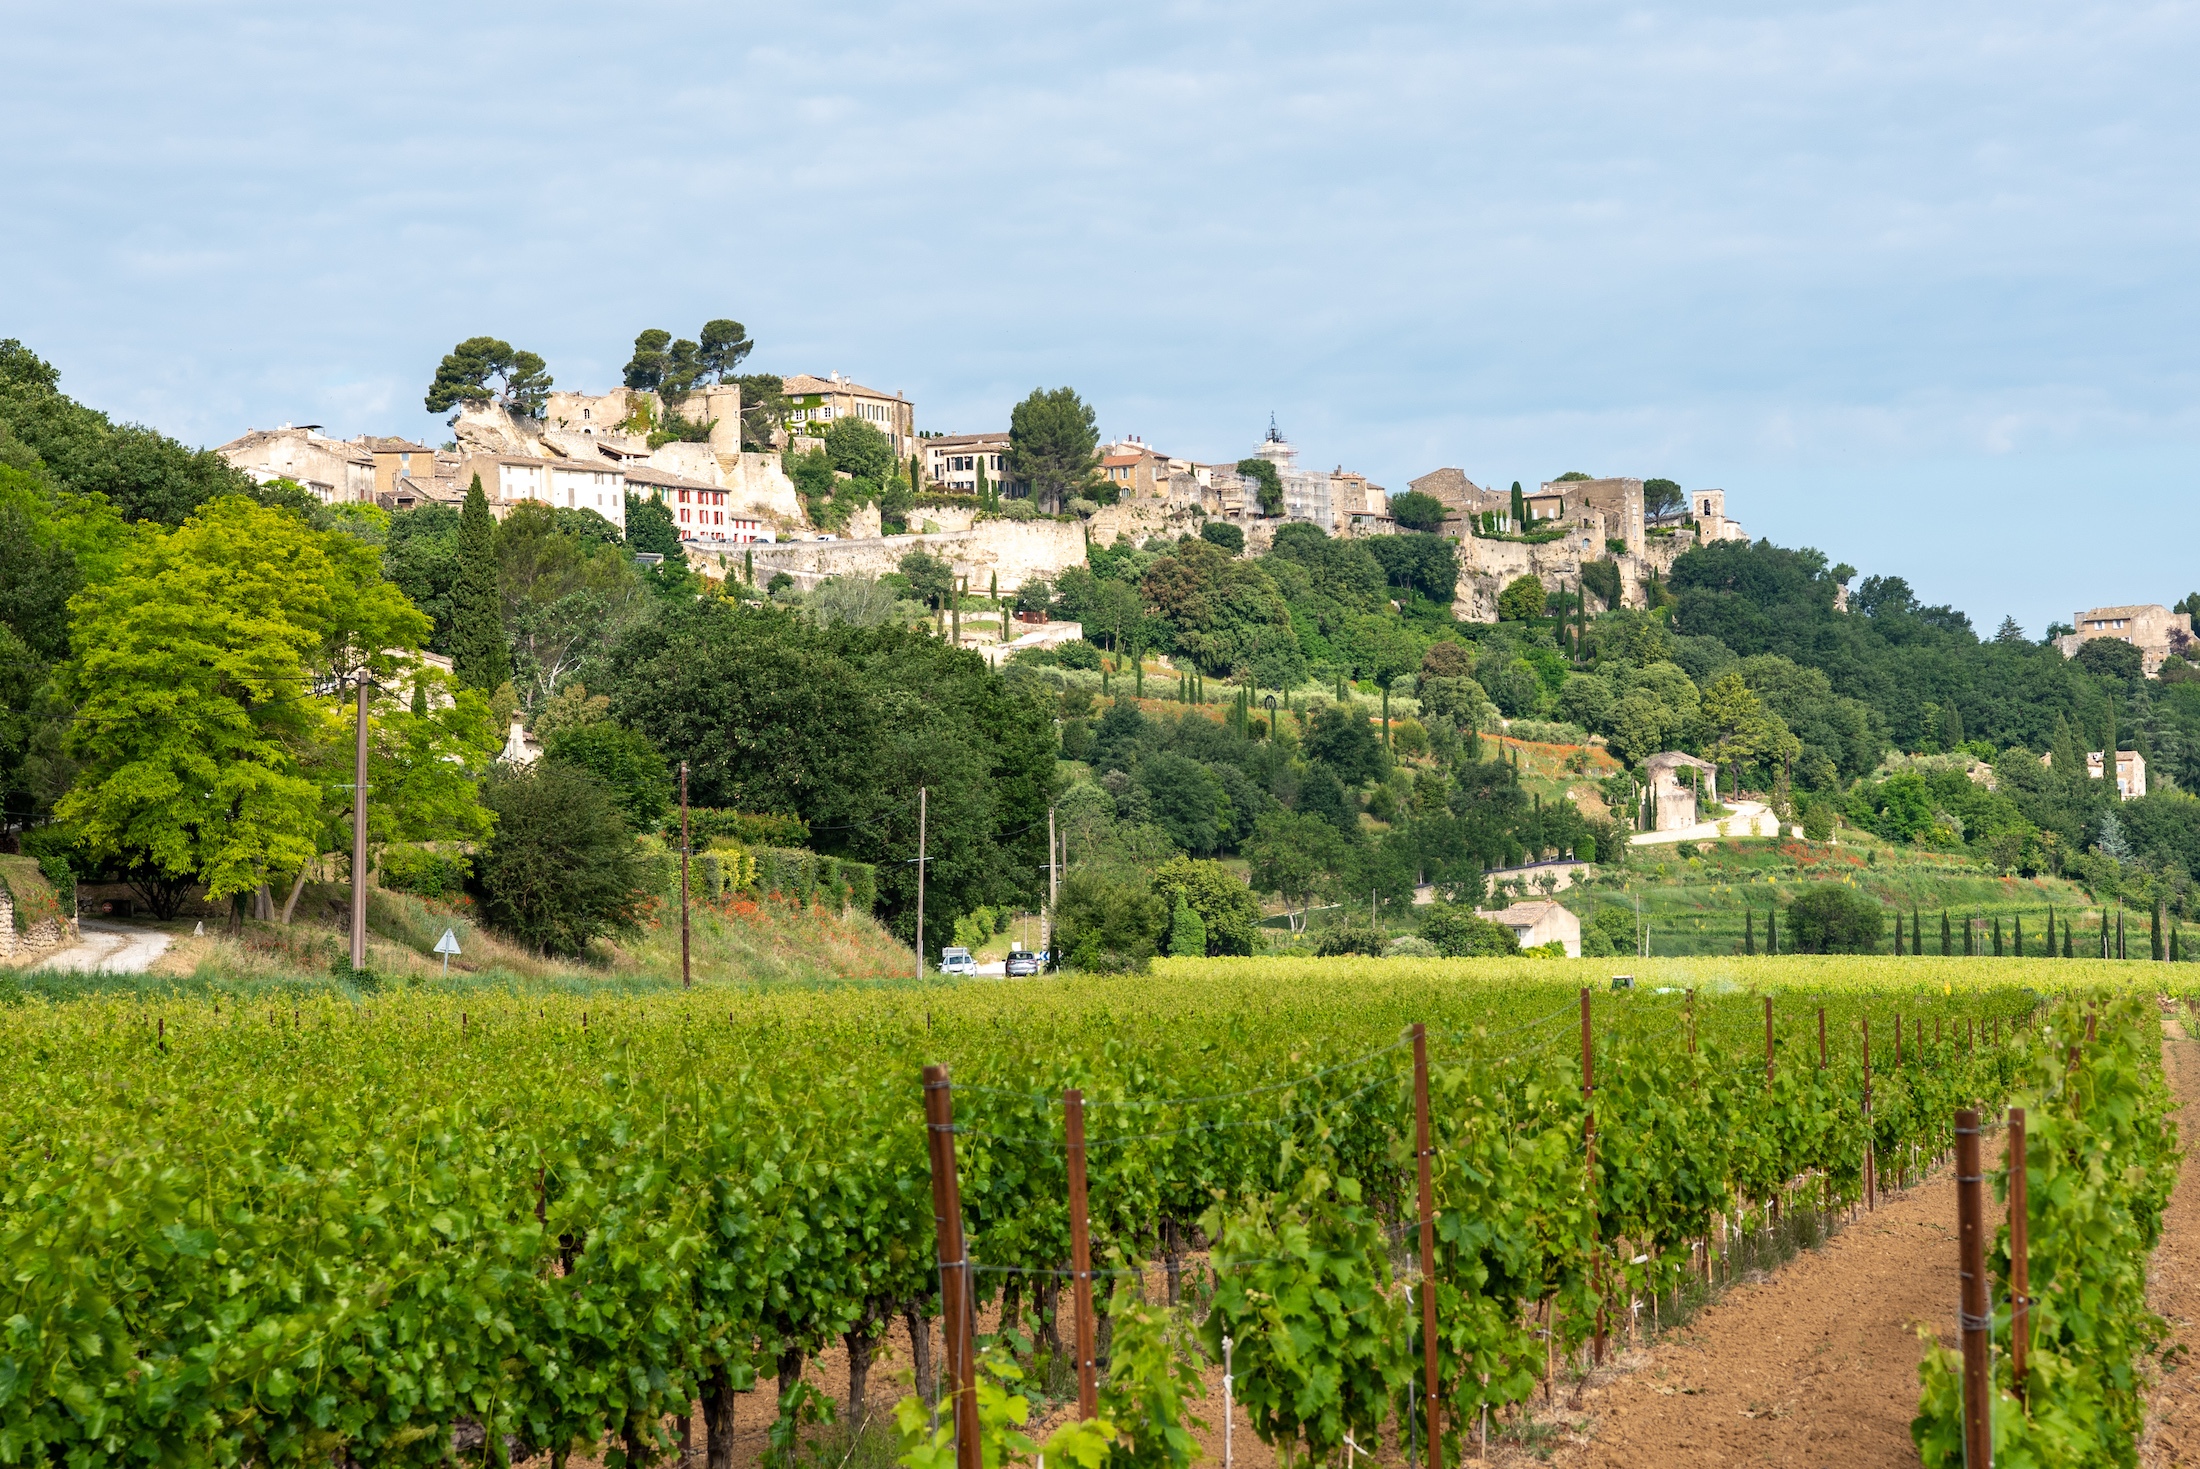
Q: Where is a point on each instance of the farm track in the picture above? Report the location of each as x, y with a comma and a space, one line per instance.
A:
2173, 1277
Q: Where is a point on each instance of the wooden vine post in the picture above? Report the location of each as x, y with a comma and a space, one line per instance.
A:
957, 1325
1080, 1257
1589, 1137
1975, 1315
1425, 1156
2020, 1268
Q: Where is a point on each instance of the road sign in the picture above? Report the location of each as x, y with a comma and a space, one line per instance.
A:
447, 946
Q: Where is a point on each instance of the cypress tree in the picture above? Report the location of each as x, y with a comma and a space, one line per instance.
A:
2050, 930
1947, 936
1917, 933
2176, 949
479, 654
1898, 935
2120, 934
1772, 929
420, 696
2020, 936
748, 567
2104, 933
2067, 947
1749, 930
2154, 934
1997, 935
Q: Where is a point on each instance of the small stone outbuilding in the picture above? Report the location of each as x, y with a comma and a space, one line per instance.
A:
1540, 921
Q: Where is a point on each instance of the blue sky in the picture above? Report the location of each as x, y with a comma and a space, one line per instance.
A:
1914, 284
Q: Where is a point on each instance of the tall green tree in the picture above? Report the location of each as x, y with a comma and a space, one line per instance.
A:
1267, 484
522, 378
645, 370
1414, 510
724, 345
480, 654
199, 727
1053, 446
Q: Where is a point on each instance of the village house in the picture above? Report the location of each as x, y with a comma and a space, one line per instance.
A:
952, 461
334, 471
2131, 771
699, 509
814, 402
2154, 630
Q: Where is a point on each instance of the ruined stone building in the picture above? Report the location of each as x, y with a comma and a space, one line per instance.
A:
336, 471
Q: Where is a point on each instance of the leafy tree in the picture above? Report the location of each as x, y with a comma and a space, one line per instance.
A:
1267, 484
1416, 511
523, 378
1340, 737
197, 728
1737, 728
1296, 855
1832, 918
1228, 913
859, 450
764, 407
1187, 800
624, 761
930, 579
1522, 600
1034, 595
723, 347
645, 370
1229, 537
650, 527
1225, 613
1458, 932
145, 475
1053, 446
841, 725
561, 869
1660, 497
1602, 578
1187, 932
1109, 919
479, 653
563, 598
1427, 564
420, 557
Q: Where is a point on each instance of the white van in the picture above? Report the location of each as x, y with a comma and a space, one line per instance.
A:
956, 960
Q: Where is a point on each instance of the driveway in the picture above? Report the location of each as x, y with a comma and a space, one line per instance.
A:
116, 948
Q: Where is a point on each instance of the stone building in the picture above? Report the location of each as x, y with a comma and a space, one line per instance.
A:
2131, 771
2154, 630
335, 471
698, 508
952, 461
1540, 921
817, 401
1672, 794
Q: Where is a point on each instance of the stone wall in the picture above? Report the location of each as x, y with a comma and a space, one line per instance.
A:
42, 939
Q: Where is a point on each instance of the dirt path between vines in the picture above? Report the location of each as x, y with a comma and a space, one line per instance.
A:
1816, 1365
2173, 1276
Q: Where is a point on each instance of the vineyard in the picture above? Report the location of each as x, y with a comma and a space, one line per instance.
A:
363, 1232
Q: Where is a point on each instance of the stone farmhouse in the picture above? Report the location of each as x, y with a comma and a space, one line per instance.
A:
2154, 630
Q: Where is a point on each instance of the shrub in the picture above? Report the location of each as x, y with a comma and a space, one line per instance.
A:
1818, 821
1521, 601
562, 867
406, 868
751, 829
1349, 938
625, 761
1407, 946
1834, 918
1078, 653
1459, 933
1410, 737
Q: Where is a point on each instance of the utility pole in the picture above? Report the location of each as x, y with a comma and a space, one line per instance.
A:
921, 795
359, 834
687, 980
1054, 888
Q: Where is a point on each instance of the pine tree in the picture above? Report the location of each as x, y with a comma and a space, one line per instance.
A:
1749, 930
479, 653
1947, 936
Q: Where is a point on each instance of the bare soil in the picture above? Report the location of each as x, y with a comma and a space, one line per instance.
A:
2173, 1279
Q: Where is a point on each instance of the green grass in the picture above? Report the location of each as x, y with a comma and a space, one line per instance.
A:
1695, 905
743, 943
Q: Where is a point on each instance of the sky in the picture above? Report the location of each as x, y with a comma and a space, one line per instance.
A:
1913, 284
